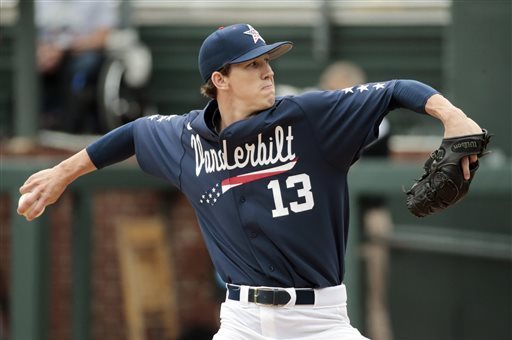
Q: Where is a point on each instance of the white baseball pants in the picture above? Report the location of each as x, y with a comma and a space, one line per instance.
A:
327, 319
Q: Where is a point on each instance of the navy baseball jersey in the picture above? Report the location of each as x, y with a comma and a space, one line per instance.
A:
270, 192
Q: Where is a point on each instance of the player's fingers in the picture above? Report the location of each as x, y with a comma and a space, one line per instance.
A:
24, 188
36, 182
473, 159
36, 211
32, 205
29, 185
465, 168
25, 202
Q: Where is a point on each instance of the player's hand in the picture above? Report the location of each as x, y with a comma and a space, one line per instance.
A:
455, 121
461, 125
45, 187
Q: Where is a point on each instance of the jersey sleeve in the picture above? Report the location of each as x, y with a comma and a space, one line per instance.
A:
114, 147
158, 146
344, 121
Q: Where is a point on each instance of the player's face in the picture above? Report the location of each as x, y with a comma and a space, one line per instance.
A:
252, 83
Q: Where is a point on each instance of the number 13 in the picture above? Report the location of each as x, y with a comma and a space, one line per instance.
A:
304, 192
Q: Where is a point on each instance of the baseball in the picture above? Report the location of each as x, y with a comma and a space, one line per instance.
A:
27, 212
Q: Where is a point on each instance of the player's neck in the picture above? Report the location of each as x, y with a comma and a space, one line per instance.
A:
229, 114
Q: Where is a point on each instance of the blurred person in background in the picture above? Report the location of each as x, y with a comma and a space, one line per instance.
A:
71, 40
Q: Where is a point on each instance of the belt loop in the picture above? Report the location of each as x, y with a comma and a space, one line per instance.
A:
227, 291
244, 295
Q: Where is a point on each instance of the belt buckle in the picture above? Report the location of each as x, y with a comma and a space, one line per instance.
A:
274, 292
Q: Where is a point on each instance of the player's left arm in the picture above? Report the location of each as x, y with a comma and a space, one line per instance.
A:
420, 97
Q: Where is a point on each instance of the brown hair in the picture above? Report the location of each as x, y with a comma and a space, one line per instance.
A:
208, 89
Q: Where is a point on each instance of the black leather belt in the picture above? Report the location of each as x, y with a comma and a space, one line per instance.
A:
273, 296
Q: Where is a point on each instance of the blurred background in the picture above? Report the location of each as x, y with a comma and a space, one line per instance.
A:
120, 255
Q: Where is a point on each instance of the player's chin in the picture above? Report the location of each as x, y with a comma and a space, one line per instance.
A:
270, 98
268, 103
264, 100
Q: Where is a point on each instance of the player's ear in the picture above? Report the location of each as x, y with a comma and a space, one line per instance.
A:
219, 80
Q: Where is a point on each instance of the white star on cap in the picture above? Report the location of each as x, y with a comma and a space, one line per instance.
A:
255, 35
379, 86
347, 90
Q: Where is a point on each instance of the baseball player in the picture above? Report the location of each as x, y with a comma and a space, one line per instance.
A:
267, 178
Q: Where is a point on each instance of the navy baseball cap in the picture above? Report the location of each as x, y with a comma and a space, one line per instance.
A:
235, 44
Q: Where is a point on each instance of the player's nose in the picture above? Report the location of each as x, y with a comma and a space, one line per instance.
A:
268, 72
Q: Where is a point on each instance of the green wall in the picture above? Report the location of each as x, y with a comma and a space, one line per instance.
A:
478, 67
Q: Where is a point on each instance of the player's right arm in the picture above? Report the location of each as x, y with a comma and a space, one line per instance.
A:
48, 185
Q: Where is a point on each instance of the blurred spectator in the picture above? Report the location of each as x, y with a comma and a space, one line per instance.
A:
71, 40
341, 74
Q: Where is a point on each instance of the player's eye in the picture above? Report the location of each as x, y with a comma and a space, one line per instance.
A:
258, 62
